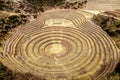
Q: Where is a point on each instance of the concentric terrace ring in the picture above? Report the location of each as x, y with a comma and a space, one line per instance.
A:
61, 45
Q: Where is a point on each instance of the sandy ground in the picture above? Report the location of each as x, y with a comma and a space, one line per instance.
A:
103, 5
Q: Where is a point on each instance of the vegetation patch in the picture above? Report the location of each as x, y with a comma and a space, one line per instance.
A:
109, 24
8, 21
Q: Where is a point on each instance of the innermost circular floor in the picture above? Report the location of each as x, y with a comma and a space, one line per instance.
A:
56, 49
